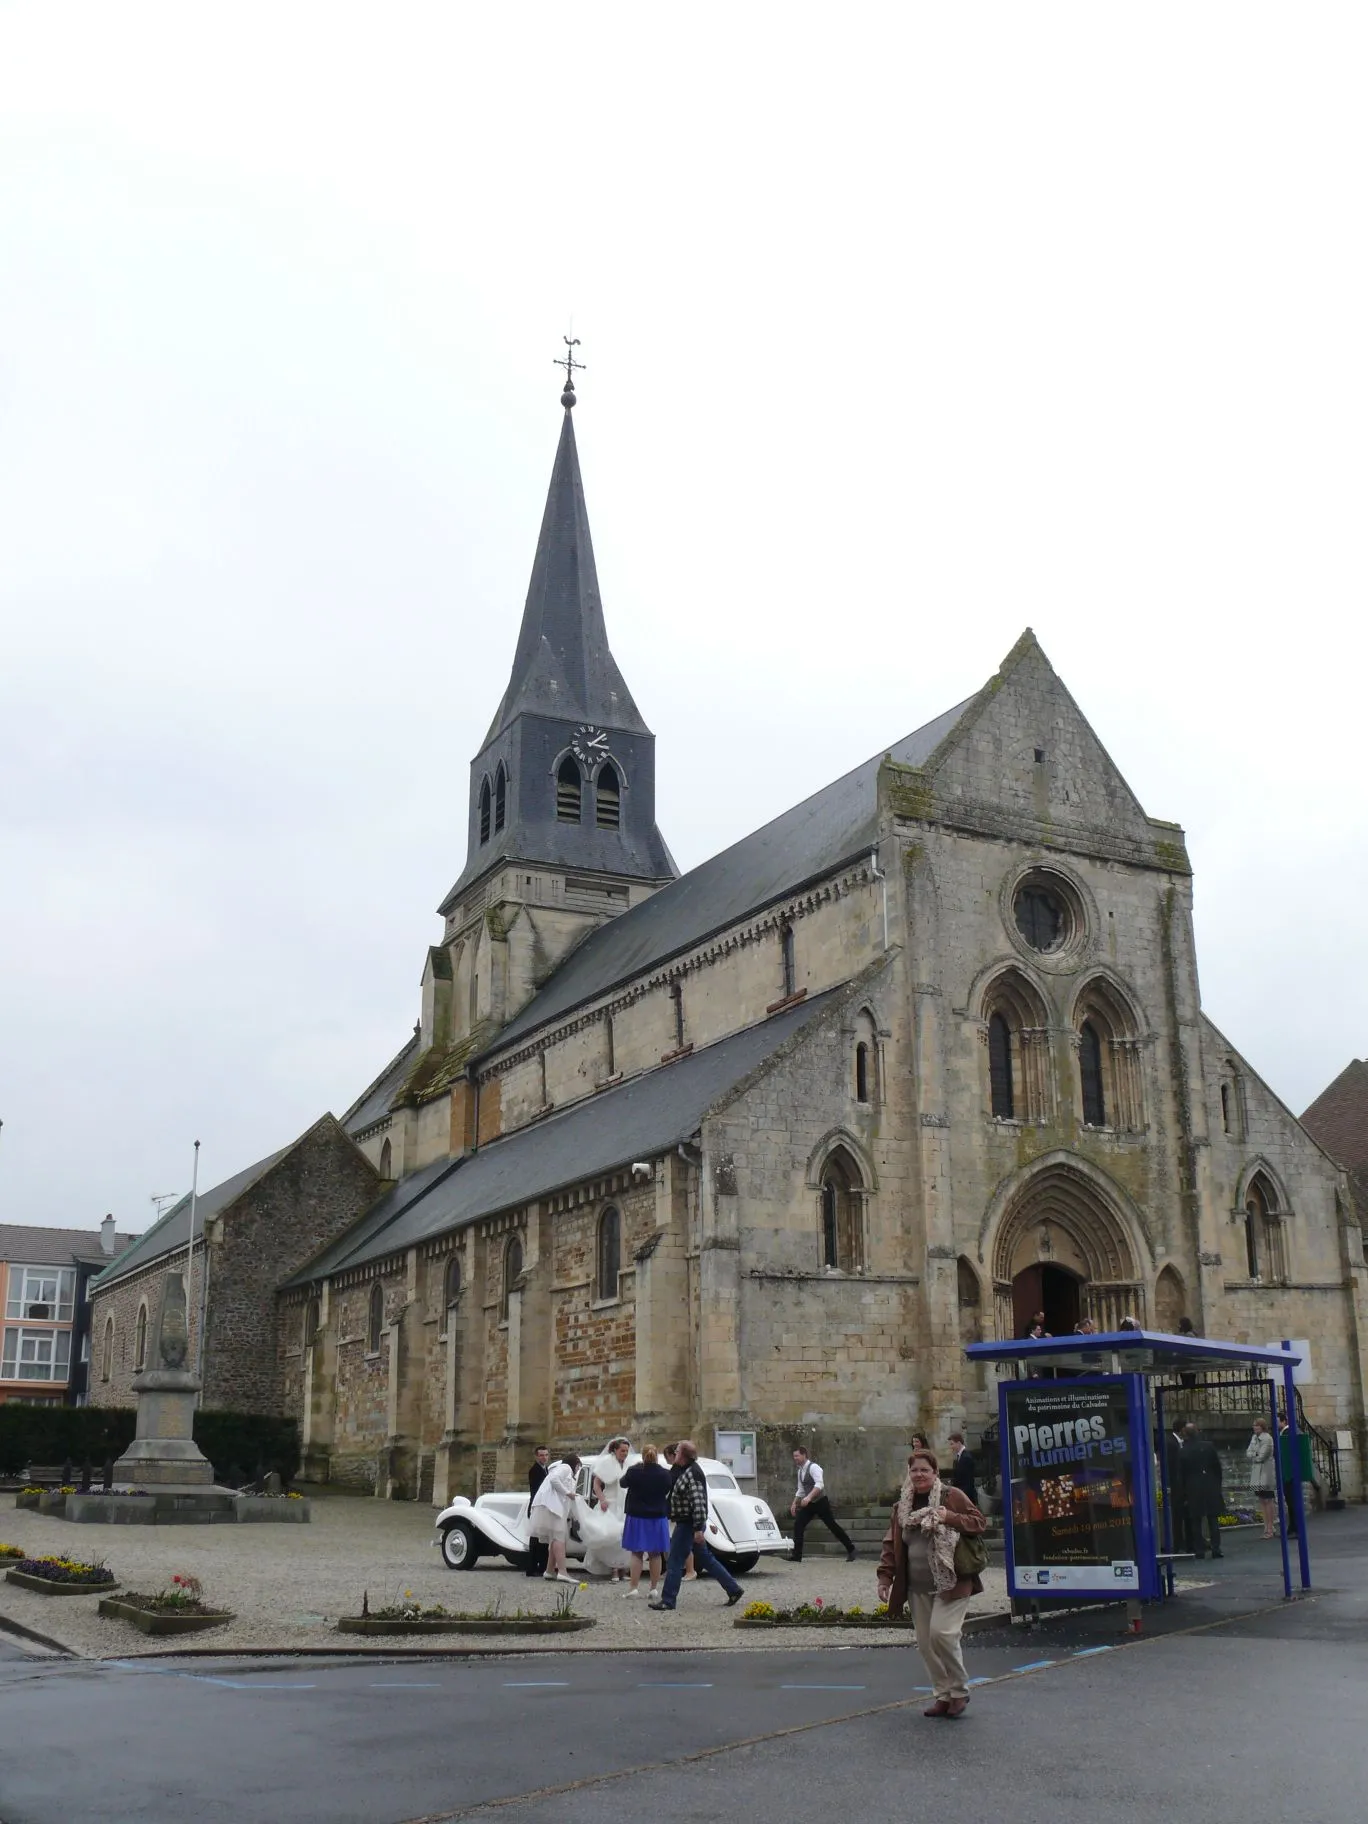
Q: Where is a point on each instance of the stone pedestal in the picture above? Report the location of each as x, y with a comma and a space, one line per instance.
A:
164, 1453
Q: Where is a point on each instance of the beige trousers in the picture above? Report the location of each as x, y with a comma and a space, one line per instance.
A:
938, 1625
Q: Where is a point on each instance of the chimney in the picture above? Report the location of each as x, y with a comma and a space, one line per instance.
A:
108, 1243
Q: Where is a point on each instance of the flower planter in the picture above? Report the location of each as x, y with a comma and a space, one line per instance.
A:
29, 1501
475, 1624
815, 1621
154, 1621
47, 1586
54, 1504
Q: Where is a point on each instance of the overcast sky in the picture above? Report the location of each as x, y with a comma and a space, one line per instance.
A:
905, 327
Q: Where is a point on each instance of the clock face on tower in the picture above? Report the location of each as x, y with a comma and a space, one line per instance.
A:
589, 744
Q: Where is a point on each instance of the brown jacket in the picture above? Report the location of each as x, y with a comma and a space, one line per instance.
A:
892, 1574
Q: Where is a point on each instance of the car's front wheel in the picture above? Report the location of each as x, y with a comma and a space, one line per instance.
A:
460, 1546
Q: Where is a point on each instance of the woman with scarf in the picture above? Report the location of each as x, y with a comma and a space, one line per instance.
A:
918, 1564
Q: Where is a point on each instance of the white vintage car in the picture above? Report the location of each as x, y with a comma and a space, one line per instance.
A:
740, 1526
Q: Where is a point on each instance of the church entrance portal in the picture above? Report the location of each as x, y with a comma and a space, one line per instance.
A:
1051, 1289
1063, 1246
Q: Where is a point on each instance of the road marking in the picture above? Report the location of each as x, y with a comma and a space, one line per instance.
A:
982, 1681
821, 1687
243, 1684
1087, 1652
1036, 1665
669, 1685
536, 1684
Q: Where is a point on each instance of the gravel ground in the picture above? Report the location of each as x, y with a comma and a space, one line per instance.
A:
287, 1585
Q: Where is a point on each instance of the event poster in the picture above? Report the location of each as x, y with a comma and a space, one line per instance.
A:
1077, 1492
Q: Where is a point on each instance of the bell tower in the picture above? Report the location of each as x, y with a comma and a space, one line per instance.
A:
561, 830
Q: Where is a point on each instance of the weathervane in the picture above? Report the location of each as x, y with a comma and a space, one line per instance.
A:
569, 363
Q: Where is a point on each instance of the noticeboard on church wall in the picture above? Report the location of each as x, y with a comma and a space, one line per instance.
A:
1077, 1471
737, 1450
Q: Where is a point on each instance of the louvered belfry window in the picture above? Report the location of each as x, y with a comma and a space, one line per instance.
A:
608, 798
484, 812
1000, 1067
569, 788
500, 798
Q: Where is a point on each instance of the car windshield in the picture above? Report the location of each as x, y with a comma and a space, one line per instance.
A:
721, 1482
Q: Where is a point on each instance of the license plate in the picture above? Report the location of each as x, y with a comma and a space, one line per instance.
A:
766, 1526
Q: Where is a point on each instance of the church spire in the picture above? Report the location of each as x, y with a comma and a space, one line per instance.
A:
565, 777
562, 666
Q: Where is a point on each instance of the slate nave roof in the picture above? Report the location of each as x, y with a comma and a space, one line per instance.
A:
597, 1135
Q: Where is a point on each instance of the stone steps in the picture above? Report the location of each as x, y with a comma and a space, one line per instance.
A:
867, 1526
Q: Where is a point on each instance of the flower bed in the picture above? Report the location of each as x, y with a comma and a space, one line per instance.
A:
149, 1619
465, 1624
29, 1497
60, 1576
178, 1608
818, 1614
410, 1617
12, 1551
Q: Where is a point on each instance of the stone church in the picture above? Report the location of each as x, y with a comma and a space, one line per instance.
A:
763, 1145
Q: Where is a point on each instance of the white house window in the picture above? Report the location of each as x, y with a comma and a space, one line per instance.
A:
42, 1294
36, 1355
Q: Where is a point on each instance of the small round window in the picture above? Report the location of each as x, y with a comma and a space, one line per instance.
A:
1041, 916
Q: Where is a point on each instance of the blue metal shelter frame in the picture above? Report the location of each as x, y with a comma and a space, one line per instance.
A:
1141, 1356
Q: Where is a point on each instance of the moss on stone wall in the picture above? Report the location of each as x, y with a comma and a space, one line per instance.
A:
910, 791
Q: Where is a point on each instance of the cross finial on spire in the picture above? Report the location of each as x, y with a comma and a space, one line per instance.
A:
569, 363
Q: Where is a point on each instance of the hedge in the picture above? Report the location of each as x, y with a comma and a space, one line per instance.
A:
242, 1446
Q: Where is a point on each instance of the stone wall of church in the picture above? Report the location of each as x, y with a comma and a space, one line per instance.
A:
1310, 1284
316, 1192
360, 1419
121, 1302
593, 1379
803, 1352
724, 987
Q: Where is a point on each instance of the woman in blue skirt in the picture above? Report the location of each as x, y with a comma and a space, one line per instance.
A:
646, 1529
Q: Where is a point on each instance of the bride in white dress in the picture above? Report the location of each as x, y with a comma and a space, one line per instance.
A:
601, 1518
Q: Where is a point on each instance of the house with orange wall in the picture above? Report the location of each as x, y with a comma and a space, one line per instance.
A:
44, 1276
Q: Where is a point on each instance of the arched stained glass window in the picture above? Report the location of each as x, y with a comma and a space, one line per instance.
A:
1000, 1067
1090, 1071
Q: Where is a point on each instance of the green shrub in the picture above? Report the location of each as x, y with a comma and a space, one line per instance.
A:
241, 1445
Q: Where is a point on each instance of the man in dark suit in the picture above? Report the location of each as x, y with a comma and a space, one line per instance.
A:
1200, 1467
537, 1548
962, 1469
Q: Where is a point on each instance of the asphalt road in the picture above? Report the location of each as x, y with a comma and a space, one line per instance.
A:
1244, 1706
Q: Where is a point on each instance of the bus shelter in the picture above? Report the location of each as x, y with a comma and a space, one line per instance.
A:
1088, 1513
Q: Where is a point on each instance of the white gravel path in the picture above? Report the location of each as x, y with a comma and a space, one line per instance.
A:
287, 1586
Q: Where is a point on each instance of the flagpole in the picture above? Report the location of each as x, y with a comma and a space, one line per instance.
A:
190, 1253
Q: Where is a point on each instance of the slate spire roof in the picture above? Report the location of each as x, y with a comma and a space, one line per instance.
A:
562, 666
564, 684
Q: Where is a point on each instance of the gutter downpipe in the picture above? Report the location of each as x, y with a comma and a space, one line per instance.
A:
882, 878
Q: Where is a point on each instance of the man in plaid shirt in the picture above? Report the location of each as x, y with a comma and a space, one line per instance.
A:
688, 1510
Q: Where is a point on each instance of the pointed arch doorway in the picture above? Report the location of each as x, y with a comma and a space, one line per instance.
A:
1064, 1247
1046, 1287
